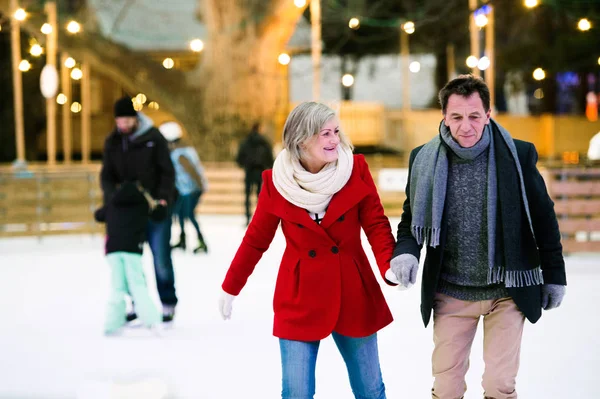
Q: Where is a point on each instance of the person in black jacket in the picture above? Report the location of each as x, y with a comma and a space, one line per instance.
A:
255, 154
137, 151
476, 199
126, 218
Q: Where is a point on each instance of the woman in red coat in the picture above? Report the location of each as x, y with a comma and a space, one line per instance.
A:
322, 195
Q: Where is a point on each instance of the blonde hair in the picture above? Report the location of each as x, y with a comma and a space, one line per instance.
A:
304, 122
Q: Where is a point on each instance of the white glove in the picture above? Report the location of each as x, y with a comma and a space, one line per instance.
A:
225, 304
405, 268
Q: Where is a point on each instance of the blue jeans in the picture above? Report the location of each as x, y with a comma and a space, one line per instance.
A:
299, 358
159, 237
184, 209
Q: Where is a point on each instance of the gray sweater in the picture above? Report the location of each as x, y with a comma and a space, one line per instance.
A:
465, 260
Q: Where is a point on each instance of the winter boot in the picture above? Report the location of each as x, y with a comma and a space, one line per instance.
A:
201, 247
181, 243
168, 313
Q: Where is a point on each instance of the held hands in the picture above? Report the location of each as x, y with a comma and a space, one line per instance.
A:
404, 268
552, 295
225, 304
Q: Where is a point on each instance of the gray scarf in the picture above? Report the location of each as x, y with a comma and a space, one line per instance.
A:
428, 181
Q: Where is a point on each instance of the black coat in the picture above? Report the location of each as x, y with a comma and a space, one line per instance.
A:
255, 153
544, 249
126, 218
145, 159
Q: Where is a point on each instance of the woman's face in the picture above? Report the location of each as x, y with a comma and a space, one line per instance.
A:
322, 148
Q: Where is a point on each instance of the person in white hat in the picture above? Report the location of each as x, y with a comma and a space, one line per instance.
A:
190, 181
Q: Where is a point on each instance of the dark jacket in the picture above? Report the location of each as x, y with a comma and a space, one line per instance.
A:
255, 153
544, 249
126, 218
142, 156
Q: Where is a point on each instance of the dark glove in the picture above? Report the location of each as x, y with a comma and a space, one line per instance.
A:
127, 194
100, 215
159, 213
552, 295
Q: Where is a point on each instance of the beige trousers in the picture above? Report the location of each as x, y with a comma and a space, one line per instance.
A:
454, 326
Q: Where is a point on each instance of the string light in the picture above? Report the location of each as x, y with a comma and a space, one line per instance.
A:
414, 66
584, 24
36, 50
197, 45
24, 66
347, 80
76, 107
46, 29
73, 27
539, 74
153, 105
61, 99
483, 63
20, 14
76, 74
354, 23
284, 58
168, 63
409, 27
531, 3
481, 20
472, 61
141, 98
70, 62
299, 3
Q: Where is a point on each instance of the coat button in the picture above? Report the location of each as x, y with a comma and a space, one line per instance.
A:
312, 253
335, 250
341, 218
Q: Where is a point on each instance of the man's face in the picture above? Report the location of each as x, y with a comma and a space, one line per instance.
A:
126, 124
466, 118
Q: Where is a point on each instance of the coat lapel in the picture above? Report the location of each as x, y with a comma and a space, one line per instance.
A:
350, 195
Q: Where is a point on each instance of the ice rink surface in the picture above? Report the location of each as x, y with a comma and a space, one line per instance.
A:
53, 293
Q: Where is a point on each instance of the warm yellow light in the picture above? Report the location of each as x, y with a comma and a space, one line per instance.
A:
414, 66
24, 66
598, 60
409, 27
354, 23
76, 74
138, 106
584, 24
36, 50
61, 99
197, 45
299, 3
284, 58
483, 63
73, 27
141, 98
70, 62
531, 3
347, 80
75, 107
46, 29
472, 61
481, 20
539, 74
538, 93
153, 105
20, 14
168, 63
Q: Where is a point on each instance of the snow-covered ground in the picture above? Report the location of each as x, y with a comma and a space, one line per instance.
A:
53, 294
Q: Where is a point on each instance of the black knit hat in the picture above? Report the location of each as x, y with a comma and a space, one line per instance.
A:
124, 107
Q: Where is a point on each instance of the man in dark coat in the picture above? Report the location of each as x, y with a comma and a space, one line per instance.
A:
255, 154
477, 201
137, 151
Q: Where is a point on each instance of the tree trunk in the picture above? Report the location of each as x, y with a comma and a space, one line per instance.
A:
241, 79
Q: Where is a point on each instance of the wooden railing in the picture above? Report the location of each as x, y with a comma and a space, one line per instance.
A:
576, 195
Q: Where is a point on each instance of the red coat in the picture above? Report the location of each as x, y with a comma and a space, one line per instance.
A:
325, 282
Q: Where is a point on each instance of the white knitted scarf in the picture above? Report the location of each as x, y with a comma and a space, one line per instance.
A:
311, 191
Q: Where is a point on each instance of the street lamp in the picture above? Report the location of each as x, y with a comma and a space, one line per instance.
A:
409, 27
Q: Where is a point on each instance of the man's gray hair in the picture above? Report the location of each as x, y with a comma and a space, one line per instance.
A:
304, 122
